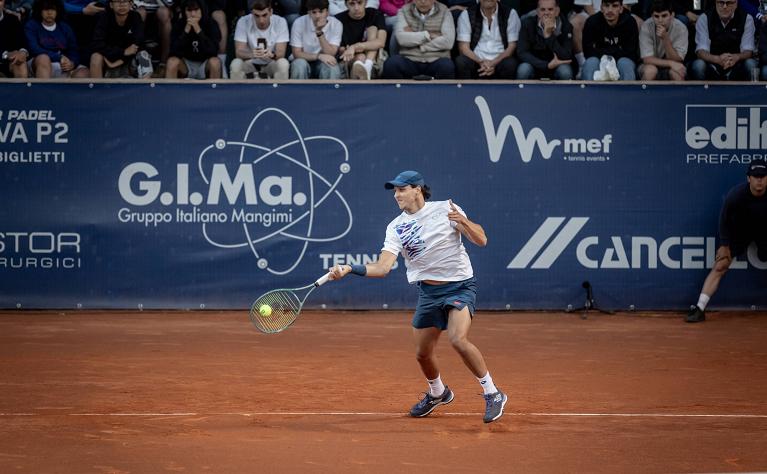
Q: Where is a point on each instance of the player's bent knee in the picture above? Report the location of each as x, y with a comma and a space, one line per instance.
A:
459, 342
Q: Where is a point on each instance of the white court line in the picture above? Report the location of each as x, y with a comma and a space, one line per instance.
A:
362, 413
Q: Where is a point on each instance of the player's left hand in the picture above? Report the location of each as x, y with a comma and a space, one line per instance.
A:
339, 271
455, 216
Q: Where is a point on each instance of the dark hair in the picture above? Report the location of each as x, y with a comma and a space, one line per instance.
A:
612, 1
316, 5
426, 192
259, 4
661, 6
192, 5
40, 5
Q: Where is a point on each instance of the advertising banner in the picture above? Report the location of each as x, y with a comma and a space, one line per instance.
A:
190, 195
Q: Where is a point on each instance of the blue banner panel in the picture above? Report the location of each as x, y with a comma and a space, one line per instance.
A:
189, 195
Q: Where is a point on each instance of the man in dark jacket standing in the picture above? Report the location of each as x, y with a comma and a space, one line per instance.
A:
611, 32
545, 46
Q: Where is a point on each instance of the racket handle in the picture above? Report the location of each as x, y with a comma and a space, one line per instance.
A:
322, 280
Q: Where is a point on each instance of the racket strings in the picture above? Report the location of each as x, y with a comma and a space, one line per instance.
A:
284, 305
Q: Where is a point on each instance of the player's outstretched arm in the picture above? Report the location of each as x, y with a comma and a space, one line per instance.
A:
378, 269
471, 230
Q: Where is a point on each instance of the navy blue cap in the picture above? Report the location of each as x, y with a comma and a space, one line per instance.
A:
405, 178
757, 168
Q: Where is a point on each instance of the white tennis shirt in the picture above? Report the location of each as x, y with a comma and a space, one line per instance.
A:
430, 244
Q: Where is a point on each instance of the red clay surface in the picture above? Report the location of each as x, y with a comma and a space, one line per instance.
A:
129, 392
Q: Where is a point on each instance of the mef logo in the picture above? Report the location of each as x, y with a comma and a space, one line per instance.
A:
725, 127
534, 139
553, 237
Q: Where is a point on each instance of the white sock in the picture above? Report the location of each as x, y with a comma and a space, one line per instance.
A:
436, 387
487, 384
580, 58
368, 65
703, 301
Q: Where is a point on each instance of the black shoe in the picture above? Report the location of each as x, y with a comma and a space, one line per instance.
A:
696, 315
429, 403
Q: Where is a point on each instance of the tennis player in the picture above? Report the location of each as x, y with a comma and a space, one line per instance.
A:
428, 235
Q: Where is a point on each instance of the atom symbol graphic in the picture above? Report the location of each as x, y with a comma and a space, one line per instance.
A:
320, 189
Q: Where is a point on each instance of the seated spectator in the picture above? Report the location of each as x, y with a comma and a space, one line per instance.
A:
260, 43
81, 16
487, 37
663, 44
18, 8
159, 12
546, 45
763, 50
13, 59
52, 43
194, 44
425, 32
578, 21
315, 39
611, 32
363, 39
724, 39
117, 43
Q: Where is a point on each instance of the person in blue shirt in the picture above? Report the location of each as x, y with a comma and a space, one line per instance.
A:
52, 43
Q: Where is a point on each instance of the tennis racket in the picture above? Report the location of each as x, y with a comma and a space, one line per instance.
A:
276, 310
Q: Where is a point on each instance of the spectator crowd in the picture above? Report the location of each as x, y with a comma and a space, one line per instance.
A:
604, 40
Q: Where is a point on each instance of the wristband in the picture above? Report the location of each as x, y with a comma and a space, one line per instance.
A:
360, 270
320, 34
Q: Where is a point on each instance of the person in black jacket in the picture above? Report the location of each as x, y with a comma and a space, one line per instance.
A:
611, 32
194, 44
545, 46
724, 44
13, 62
742, 220
117, 42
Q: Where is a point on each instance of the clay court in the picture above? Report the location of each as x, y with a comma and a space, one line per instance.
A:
135, 392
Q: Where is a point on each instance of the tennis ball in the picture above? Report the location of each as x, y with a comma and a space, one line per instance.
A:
265, 310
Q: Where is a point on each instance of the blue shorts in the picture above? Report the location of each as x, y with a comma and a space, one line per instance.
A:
436, 301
